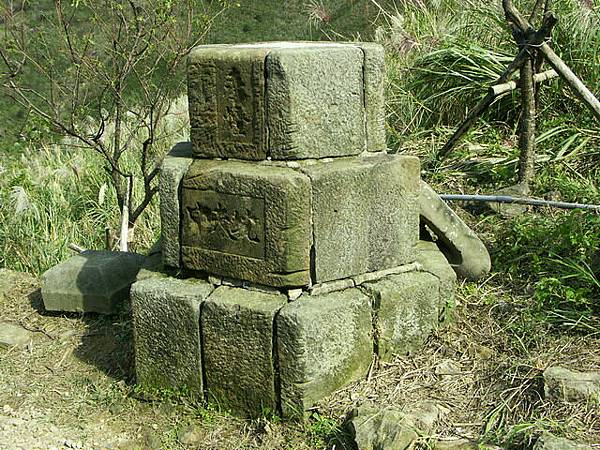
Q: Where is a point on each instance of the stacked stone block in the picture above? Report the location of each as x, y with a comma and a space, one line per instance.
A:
301, 232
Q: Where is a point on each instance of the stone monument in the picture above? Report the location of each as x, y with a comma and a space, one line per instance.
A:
290, 238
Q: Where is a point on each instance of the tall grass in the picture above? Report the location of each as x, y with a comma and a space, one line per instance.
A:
52, 195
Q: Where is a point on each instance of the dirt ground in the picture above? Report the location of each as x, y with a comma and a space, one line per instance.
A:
72, 385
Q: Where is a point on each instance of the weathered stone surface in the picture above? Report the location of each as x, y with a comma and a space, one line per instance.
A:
381, 429
246, 221
374, 73
315, 101
226, 93
548, 441
433, 261
12, 334
570, 386
323, 343
92, 281
174, 167
237, 344
461, 246
390, 429
166, 315
286, 100
406, 311
365, 214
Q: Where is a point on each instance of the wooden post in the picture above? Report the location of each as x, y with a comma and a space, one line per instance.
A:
527, 132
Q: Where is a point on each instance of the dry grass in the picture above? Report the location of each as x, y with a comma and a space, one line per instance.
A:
486, 373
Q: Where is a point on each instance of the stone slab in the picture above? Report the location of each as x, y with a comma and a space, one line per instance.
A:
174, 167
406, 311
92, 281
247, 221
286, 100
461, 246
365, 214
166, 315
237, 344
323, 343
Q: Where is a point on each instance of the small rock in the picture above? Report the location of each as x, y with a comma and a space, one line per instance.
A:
570, 386
446, 368
12, 334
293, 294
189, 435
384, 429
548, 441
458, 444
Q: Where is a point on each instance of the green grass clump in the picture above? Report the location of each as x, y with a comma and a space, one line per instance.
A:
558, 258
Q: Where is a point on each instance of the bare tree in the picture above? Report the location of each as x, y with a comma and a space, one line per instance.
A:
97, 65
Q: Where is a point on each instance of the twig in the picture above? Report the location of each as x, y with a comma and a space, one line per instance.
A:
518, 200
125, 216
76, 248
499, 89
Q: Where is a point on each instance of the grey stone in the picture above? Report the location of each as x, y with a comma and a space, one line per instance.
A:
391, 429
510, 210
12, 334
570, 386
433, 261
173, 169
378, 275
246, 221
92, 281
461, 246
458, 444
315, 105
406, 311
548, 441
166, 315
286, 100
365, 214
374, 73
237, 344
381, 429
323, 343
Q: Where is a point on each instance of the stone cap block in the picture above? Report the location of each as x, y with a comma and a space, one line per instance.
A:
286, 100
92, 281
247, 221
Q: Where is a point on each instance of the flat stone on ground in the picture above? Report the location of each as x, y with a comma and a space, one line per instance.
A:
237, 344
92, 281
323, 343
406, 311
12, 334
166, 318
365, 214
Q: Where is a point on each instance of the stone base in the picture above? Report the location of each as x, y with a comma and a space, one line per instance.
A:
253, 351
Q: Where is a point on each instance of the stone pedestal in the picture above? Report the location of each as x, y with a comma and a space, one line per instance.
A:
302, 229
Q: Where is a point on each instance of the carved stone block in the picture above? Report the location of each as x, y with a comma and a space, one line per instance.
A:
247, 221
365, 214
286, 100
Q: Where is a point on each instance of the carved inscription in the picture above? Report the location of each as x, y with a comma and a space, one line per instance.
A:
223, 222
227, 108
